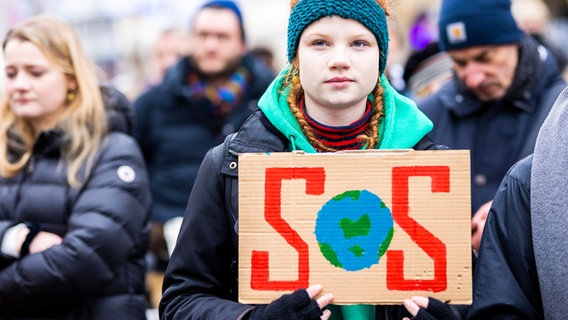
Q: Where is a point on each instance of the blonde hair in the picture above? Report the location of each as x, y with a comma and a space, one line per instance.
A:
84, 123
370, 138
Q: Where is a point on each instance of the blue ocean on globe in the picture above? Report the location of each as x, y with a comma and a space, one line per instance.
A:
354, 230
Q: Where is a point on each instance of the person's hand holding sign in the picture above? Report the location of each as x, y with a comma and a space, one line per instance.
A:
423, 308
299, 305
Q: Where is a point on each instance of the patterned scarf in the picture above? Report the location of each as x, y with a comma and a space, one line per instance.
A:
222, 97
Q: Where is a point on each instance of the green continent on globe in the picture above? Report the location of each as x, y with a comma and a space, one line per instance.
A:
385, 245
353, 194
329, 254
357, 228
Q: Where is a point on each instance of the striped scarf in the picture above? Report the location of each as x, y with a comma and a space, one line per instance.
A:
341, 137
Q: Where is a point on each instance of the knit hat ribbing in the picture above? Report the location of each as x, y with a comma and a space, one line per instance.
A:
464, 24
367, 12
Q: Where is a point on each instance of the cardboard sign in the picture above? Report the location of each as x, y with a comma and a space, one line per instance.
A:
373, 227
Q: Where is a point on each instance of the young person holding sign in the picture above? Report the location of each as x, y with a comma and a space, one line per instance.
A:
332, 96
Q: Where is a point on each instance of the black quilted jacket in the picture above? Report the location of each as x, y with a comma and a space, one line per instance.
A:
98, 270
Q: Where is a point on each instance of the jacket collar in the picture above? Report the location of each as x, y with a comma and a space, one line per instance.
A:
256, 134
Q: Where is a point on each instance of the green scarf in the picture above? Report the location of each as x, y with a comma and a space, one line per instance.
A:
352, 312
402, 128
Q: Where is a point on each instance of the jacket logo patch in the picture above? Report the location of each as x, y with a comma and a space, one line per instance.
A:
456, 32
126, 173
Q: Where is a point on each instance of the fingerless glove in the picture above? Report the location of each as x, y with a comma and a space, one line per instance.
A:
294, 306
437, 310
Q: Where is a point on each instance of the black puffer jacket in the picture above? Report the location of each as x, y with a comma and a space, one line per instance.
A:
506, 283
201, 278
98, 270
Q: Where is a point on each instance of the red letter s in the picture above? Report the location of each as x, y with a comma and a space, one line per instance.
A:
315, 180
433, 247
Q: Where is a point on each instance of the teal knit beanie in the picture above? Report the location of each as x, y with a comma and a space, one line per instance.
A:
367, 12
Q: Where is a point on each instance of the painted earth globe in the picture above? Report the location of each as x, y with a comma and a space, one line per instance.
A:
354, 230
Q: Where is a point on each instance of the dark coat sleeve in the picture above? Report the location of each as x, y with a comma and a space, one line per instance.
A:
505, 281
199, 279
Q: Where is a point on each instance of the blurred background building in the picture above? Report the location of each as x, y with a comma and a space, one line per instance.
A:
118, 35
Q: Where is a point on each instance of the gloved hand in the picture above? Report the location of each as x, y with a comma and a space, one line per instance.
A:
295, 306
432, 309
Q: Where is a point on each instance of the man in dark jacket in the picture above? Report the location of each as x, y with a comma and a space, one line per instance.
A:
202, 98
503, 87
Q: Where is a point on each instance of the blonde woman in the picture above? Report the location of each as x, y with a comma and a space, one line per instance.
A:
74, 195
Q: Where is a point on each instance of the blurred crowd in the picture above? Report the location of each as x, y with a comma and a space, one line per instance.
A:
124, 59
115, 146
